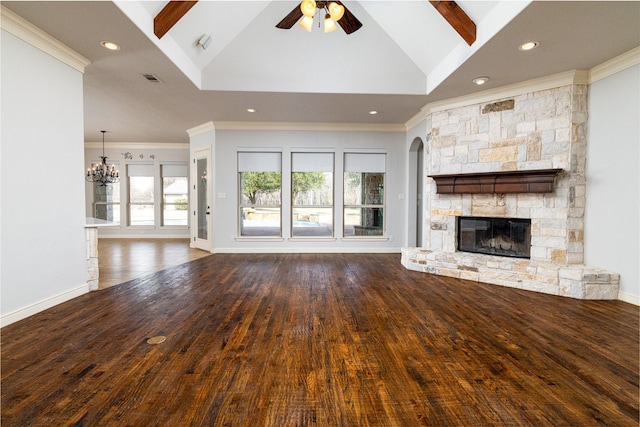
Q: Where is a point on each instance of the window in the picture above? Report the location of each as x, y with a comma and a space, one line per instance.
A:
107, 201
141, 198
364, 194
312, 194
175, 199
260, 184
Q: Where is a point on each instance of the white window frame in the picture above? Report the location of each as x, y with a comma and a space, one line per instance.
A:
364, 162
313, 161
97, 203
137, 170
177, 170
258, 160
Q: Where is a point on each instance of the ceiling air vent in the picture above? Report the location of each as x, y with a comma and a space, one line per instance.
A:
152, 78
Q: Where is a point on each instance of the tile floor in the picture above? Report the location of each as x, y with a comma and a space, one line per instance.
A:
121, 260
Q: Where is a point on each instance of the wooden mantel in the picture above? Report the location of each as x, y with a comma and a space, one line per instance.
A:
521, 181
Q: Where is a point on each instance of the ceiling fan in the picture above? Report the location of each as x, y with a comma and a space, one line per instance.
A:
335, 12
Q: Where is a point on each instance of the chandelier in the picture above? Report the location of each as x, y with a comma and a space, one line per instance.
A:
333, 12
101, 172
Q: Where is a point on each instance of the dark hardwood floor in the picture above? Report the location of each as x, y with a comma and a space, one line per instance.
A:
320, 340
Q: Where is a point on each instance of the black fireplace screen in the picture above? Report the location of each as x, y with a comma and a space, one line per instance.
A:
495, 236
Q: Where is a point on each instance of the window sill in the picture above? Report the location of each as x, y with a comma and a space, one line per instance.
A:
312, 239
366, 238
259, 239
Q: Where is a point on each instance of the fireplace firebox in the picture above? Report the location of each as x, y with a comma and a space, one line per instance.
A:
495, 236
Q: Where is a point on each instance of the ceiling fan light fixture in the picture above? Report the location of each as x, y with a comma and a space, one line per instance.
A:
329, 24
336, 11
307, 23
308, 8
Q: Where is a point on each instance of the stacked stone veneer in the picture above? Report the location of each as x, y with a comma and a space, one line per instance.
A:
539, 130
92, 258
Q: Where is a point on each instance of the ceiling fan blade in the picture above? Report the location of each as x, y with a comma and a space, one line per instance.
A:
349, 22
291, 18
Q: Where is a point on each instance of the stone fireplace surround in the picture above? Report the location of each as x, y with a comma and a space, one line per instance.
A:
538, 130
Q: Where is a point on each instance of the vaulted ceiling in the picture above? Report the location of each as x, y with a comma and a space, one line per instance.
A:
404, 56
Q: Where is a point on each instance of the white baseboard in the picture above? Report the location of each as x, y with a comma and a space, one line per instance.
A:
327, 250
23, 313
630, 298
143, 236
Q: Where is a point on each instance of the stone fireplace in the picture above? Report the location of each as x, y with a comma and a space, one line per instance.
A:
516, 161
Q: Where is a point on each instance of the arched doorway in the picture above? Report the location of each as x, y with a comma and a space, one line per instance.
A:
416, 179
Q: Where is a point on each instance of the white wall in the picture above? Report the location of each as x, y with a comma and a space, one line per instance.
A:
42, 230
226, 179
613, 184
122, 155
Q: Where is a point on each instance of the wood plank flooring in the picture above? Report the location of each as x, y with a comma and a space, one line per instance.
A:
320, 340
121, 260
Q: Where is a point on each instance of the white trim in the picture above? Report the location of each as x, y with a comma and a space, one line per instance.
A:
143, 236
200, 129
529, 86
606, 69
307, 126
615, 65
544, 83
315, 249
313, 150
312, 239
630, 298
259, 150
139, 145
45, 304
33, 35
258, 239
365, 150
365, 238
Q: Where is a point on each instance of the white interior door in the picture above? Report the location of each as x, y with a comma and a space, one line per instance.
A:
202, 213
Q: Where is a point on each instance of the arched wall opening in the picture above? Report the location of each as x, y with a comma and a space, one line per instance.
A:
415, 192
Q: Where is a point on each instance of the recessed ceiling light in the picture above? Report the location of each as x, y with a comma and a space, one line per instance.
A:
529, 46
251, 110
109, 45
480, 80
373, 112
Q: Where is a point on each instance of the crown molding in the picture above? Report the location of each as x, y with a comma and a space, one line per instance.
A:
529, 86
33, 35
615, 65
200, 129
139, 145
599, 72
534, 85
309, 126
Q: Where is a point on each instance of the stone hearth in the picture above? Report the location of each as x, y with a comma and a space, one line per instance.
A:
538, 131
575, 281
